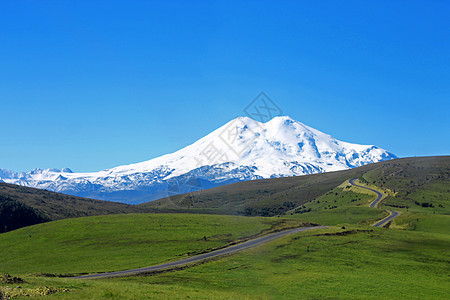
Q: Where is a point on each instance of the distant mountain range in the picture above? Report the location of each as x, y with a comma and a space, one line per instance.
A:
241, 150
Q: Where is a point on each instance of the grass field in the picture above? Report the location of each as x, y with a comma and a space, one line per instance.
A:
357, 263
117, 242
342, 205
344, 216
376, 264
432, 223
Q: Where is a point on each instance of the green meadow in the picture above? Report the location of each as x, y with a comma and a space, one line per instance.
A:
117, 242
341, 206
359, 262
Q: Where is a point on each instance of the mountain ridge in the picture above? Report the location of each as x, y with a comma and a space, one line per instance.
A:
242, 149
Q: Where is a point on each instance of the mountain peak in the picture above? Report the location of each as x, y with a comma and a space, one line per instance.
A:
283, 119
242, 149
274, 119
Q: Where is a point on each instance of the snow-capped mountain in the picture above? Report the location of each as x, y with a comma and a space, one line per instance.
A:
242, 149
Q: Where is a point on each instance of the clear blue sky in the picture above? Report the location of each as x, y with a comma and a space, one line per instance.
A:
95, 84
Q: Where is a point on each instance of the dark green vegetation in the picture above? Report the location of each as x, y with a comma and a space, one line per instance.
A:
15, 214
424, 180
23, 206
8, 279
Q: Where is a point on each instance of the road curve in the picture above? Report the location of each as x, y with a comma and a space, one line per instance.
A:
375, 202
392, 214
386, 220
198, 258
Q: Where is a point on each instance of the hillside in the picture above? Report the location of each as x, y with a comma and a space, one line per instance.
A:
135, 239
23, 206
417, 184
410, 178
421, 184
331, 263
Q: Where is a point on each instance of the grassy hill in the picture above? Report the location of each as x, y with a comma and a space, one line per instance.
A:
117, 242
342, 205
419, 179
359, 262
23, 206
265, 197
420, 184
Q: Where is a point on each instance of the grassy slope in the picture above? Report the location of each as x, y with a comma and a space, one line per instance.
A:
32, 206
342, 205
361, 263
419, 179
117, 242
379, 265
415, 182
371, 263
258, 195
